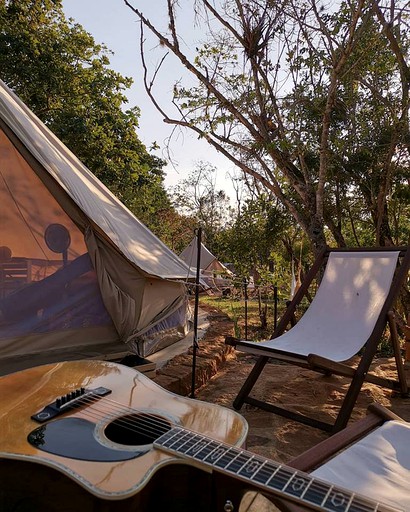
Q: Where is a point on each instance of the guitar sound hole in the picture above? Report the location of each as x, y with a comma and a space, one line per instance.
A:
137, 429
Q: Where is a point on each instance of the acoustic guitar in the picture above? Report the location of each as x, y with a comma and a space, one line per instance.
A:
94, 435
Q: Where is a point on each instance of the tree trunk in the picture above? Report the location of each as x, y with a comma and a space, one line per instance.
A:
316, 234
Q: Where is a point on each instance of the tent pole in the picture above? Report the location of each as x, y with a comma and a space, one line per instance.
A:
195, 341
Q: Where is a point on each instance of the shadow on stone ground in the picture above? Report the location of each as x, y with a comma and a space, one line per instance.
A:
221, 372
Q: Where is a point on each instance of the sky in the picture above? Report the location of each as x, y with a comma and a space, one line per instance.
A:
113, 23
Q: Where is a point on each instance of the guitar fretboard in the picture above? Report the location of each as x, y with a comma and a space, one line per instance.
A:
271, 477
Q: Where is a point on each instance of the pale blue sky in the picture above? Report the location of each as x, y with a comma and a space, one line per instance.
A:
111, 22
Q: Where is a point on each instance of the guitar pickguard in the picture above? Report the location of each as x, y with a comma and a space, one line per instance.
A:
74, 438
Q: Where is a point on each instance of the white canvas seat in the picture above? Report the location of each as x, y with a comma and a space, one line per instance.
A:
344, 310
377, 466
371, 457
348, 314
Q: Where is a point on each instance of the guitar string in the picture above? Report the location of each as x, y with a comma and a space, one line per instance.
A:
131, 425
142, 426
117, 408
317, 494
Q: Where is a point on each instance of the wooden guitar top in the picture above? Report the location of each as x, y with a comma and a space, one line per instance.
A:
29, 391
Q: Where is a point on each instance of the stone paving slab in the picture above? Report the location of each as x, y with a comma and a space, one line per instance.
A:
270, 435
211, 355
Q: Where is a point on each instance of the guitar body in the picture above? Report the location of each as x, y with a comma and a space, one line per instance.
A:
81, 460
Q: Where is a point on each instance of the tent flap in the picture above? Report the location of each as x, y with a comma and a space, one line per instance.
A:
165, 332
77, 268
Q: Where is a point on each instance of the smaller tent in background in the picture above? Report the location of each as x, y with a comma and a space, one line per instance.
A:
80, 275
213, 273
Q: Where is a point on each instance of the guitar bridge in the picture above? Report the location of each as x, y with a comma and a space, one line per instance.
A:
62, 404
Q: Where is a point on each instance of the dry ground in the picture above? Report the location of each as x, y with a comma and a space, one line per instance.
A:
278, 438
301, 390
221, 375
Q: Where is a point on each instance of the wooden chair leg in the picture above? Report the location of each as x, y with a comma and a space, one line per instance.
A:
397, 354
407, 339
350, 398
250, 382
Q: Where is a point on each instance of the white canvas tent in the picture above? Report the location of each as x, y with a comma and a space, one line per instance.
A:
80, 275
213, 272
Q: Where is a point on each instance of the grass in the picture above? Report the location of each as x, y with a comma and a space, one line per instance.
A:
235, 309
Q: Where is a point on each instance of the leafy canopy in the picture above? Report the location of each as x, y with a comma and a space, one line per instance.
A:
57, 68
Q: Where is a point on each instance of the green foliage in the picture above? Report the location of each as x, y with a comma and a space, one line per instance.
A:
57, 68
198, 199
256, 232
234, 308
174, 229
311, 101
368, 152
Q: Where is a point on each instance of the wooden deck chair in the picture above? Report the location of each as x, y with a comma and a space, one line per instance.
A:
370, 457
348, 314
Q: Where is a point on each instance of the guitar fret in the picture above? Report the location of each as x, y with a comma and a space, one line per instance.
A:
268, 474
202, 449
280, 478
216, 454
251, 467
350, 501
259, 469
237, 463
274, 473
338, 500
289, 480
360, 504
380, 507
227, 458
176, 445
198, 447
327, 494
298, 485
316, 492
166, 439
305, 490
192, 442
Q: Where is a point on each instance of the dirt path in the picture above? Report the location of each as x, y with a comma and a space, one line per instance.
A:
302, 390
220, 374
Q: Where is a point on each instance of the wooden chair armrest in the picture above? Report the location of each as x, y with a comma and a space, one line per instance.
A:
231, 340
319, 454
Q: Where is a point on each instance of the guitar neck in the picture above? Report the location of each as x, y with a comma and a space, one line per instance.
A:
271, 477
